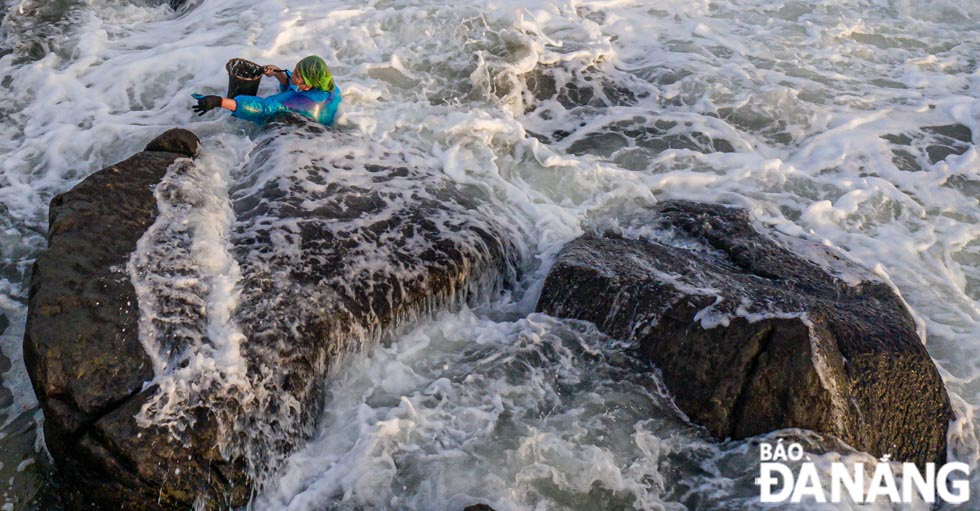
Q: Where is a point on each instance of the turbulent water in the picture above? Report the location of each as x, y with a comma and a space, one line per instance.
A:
849, 123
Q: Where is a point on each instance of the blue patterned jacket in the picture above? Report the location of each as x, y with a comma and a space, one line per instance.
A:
316, 104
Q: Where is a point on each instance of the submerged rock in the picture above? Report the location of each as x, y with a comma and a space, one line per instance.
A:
931, 144
751, 337
331, 252
562, 103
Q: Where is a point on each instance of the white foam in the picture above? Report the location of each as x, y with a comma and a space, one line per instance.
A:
186, 284
467, 409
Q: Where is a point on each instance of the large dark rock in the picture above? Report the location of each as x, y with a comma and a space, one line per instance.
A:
333, 252
751, 337
82, 349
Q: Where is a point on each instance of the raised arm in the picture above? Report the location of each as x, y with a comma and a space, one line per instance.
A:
278, 73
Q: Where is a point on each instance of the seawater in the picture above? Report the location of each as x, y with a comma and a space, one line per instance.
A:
847, 123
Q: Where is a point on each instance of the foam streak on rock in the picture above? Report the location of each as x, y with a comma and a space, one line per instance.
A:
186, 282
338, 248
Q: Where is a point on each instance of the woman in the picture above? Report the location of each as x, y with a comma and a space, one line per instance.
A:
308, 91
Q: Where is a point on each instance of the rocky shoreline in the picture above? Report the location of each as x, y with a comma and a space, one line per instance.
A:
750, 336
93, 375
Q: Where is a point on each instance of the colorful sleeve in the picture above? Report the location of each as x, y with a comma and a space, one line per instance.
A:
256, 109
326, 116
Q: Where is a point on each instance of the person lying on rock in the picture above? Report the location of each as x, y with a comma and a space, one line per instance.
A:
308, 90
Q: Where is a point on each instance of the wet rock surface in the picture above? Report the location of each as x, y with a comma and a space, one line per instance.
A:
752, 337
656, 137
930, 145
176, 141
312, 284
573, 87
339, 253
554, 96
81, 345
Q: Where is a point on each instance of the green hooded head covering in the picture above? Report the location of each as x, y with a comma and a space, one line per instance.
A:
315, 73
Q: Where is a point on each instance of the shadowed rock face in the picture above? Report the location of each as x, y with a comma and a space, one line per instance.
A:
556, 95
751, 337
81, 345
332, 252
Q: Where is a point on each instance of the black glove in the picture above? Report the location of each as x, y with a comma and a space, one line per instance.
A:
206, 104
